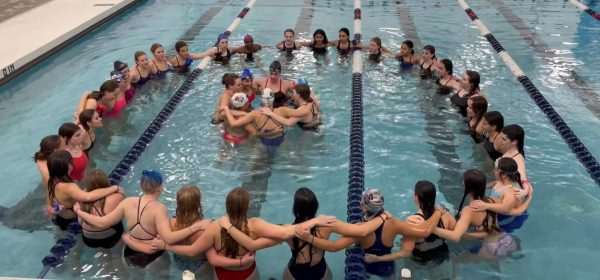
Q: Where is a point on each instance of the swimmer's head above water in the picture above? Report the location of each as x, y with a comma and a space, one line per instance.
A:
372, 203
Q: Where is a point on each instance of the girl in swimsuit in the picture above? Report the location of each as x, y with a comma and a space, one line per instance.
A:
427, 61
126, 87
146, 218
94, 236
222, 52
237, 135
492, 125
247, 86
508, 181
289, 44
406, 55
307, 115
101, 101
469, 87
274, 81
375, 49
476, 107
89, 120
496, 243
510, 143
160, 64
343, 44
233, 84
249, 48
141, 73
183, 60
421, 249
319, 43
63, 192
446, 81
48, 145
379, 240
73, 136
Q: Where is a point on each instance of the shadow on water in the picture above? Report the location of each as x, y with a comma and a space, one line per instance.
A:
27, 214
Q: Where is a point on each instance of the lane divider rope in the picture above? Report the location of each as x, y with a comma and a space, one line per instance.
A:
586, 9
577, 147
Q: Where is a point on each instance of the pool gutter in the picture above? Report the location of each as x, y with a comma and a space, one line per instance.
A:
33, 36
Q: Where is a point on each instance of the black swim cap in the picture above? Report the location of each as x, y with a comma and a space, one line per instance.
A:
275, 66
119, 65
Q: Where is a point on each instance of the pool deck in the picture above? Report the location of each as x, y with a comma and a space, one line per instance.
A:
32, 30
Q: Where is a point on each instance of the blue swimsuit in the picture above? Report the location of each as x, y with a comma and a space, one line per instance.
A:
383, 269
142, 80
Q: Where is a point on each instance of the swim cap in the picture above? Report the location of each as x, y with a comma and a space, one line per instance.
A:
153, 175
372, 200
266, 99
248, 38
239, 99
246, 74
117, 76
119, 65
221, 37
301, 82
275, 66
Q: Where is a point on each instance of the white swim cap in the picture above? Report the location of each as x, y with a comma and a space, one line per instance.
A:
239, 99
267, 97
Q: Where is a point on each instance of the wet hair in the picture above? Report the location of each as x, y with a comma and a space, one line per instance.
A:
509, 167
515, 132
474, 80
137, 55
58, 170
189, 206
475, 183
67, 130
494, 118
346, 31
377, 41
279, 99
304, 91
431, 49
108, 86
425, 192
322, 33
479, 105
229, 79
305, 208
48, 145
447, 65
275, 66
289, 30
409, 44
149, 184
95, 179
179, 45
86, 116
154, 47
97, 95
236, 205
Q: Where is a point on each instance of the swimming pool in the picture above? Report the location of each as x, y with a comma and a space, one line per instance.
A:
410, 134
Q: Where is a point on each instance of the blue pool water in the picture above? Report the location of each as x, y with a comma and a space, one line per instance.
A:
410, 133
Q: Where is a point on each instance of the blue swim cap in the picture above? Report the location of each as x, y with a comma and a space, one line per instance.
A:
221, 37
246, 74
153, 175
301, 82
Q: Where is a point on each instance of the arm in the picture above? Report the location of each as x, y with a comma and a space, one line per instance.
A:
508, 202
139, 246
105, 221
222, 261
408, 244
210, 52
278, 118
203, 243
81, 105
163, 227
423, 230
461, 227
244, 120
359, 230
475, 235
79, 195
244, 240
523, 207
325, 244
267, 230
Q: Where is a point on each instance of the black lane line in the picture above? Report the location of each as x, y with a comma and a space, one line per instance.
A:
305, 18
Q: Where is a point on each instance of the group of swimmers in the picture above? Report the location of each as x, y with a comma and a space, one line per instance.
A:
229, 243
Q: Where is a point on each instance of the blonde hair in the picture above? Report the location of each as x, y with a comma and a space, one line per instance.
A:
189, 206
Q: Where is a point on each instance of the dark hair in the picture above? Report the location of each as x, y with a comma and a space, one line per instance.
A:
58, 170
322, 32
47, 146
448, 65
179, 45
137, 55
479, 105
224, 78
86, 116
431, 49
474, 181
377, 41
345, 30
474, 80
67, 130
229, 79
95, 179
95, 95
305, 208
236, 204
279, 99
515, 132
304, 91
510, 168
425, 192
410, 44
108, 86
154, 47
289, 30
494, 118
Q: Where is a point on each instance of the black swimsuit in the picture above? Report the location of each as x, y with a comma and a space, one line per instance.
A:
489, 148
445, 88
133, 257
160, 73
344, 51
477, 138
223, 58
314, 123
431, 248
375, 57
426, 73
461, 102
87, 151
304, 271
107, 242
318, 50
63, 223
288, 50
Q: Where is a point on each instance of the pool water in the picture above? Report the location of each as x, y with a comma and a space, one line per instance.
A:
411, 133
